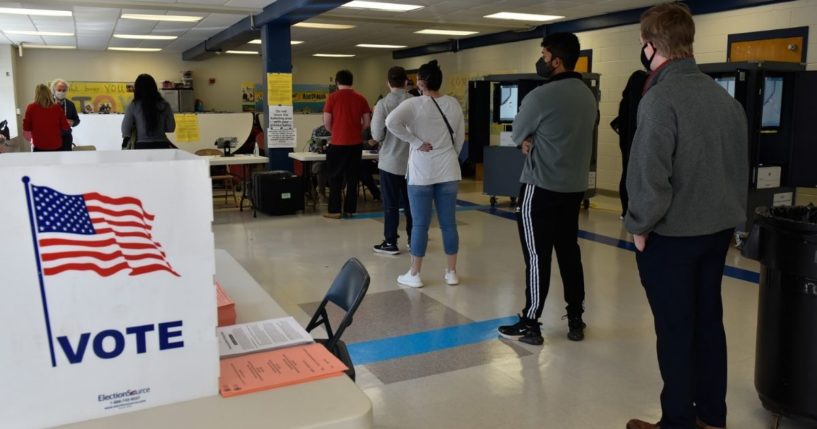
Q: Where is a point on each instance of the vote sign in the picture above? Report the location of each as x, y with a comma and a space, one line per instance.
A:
106, 268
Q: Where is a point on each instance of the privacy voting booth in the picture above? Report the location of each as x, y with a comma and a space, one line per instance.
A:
107, 268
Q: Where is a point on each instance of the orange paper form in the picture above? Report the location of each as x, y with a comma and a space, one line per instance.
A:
277, 368
226, 307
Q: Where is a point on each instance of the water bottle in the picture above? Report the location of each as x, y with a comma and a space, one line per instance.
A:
255, 149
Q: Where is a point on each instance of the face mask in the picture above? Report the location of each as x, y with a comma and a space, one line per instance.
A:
543, 69
60, 95
646, 62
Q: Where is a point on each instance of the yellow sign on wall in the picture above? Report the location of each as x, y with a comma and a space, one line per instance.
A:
187, 127
279, 89
92, 97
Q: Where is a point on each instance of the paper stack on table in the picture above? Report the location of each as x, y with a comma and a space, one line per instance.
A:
260, 336
226, 307
277, 368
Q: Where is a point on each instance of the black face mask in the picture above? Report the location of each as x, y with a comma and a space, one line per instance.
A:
543, 69
646, 62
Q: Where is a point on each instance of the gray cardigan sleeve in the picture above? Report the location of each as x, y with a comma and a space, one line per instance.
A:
649, 173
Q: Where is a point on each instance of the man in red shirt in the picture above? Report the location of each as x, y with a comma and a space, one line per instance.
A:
346, 114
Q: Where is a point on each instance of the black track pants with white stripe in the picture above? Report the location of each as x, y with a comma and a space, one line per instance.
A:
549, 220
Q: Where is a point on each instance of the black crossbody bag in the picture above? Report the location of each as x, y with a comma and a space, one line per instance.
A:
450, 130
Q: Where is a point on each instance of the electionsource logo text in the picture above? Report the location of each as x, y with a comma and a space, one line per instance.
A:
126, 394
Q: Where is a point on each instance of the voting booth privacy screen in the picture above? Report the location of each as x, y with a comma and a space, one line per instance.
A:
108, 302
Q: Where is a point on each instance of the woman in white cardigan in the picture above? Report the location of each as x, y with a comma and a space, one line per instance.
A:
433, 126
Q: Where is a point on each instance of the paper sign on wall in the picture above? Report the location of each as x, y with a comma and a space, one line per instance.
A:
281, 132
187, 127
279, 89
108, 296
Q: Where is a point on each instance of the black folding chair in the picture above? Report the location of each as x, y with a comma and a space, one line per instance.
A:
346, 292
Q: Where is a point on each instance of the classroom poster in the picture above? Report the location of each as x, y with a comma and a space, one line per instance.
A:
92, 97
309, 98
248, 97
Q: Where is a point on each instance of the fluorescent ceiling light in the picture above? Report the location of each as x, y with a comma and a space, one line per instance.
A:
143, 37
243, 52
27, 46
323, 26
333, 55
376, 5
524, 16
291, 42
38, 33
447, 32
369, 45
172, 18
40, 12
135, 49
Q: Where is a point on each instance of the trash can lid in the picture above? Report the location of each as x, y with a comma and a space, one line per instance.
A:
798, 218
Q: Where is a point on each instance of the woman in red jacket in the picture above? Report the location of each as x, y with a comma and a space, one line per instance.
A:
45, 121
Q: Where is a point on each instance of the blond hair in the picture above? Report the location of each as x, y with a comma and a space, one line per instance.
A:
42, 96
670, 28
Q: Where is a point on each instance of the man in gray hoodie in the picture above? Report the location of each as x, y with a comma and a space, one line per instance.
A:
554, 127
688, 181
392, 163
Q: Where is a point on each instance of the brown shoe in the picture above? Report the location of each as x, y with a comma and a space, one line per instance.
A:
640, 424
701, 425
332, 215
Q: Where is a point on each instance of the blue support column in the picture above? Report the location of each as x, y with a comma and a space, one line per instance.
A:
277, 56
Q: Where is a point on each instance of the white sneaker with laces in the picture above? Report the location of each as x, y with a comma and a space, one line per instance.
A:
410, 280
451, 278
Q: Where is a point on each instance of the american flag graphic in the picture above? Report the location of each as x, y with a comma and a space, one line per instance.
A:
95, 232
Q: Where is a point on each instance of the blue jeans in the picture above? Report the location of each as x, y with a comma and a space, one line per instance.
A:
444, 196
395, 194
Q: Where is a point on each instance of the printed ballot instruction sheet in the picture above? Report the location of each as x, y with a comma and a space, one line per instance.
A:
244, 338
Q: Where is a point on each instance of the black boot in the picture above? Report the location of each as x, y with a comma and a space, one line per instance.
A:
575, 326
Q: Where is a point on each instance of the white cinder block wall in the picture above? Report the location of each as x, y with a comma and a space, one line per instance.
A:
616, 54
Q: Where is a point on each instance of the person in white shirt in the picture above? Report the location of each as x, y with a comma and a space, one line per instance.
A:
433, 126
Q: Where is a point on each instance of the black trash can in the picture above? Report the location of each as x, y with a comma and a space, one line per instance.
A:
786, 354
277, 192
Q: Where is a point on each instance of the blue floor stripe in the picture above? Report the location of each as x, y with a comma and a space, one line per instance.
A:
462, 205
728, 271
610, 241
373, 351
741, 274
367, 352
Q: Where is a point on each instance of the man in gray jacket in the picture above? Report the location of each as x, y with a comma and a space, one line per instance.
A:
392, 163
554, 127
688, 181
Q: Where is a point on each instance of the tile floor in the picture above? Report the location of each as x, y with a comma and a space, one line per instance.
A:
468, 378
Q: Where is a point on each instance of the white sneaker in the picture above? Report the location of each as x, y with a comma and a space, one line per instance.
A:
451, 278
410, 280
